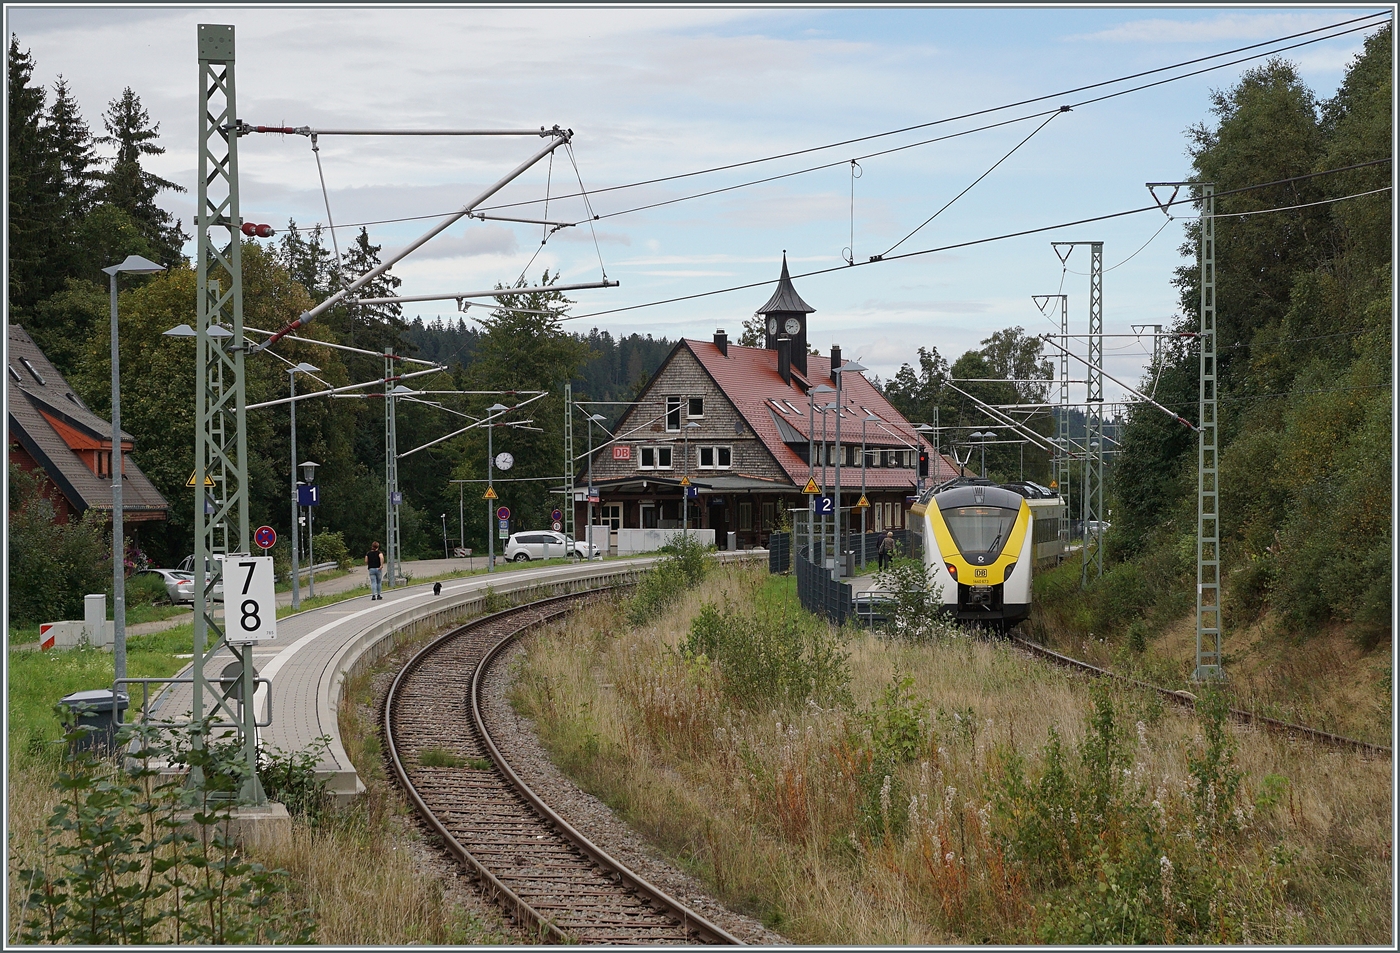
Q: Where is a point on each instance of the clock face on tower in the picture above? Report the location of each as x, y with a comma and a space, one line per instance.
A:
792, 326
772, 325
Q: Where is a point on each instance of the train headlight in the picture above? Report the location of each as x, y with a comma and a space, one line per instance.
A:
952, 570
1008, 572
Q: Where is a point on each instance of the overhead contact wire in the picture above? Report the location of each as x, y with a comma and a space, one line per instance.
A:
970, 187
967, 244
1372, 20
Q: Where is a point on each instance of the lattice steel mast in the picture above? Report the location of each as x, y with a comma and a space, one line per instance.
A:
568, 506
221, 450
392, 496
1208, 623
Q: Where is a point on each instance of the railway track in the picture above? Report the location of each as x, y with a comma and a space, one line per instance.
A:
548, 876
1188, 700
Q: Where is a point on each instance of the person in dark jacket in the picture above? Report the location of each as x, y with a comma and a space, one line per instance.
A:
374, 561
886, 550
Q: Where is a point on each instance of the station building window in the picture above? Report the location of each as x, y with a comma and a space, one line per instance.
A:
673, 413
695, 407
715, 458
654, 458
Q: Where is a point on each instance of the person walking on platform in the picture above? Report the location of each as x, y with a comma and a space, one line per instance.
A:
886, 550
374, 561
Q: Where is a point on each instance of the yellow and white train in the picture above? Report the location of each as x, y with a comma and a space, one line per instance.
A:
982, 542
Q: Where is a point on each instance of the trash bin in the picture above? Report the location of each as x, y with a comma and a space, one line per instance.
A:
93, 709
850, 563
731, 541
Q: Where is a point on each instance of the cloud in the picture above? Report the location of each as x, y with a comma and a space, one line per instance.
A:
1227, 27
489, 240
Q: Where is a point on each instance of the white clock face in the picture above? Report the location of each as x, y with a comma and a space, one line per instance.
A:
772, 325
792, 326
504, 461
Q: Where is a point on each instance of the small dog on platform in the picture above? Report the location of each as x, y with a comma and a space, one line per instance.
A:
437, 588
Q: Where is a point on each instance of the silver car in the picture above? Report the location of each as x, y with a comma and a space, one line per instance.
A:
179, 586
546, 544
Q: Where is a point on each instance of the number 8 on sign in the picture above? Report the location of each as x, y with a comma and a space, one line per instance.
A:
250, 603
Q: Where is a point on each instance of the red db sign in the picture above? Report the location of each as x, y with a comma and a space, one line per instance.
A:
622, 453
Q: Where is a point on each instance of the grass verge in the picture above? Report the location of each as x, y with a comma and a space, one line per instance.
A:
960, 793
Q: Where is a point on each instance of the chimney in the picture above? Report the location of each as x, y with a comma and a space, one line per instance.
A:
835, 358
722, 342
785, 358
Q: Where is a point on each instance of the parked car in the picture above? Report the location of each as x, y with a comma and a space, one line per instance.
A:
546, 544
179, 586
1097, 527
186, 569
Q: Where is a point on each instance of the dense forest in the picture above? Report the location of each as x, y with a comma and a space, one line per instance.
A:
1304, 304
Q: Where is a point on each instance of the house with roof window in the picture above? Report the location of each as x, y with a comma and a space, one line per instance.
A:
49, 427
747, 427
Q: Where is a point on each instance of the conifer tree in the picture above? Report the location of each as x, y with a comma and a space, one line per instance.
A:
131, 188
33, 200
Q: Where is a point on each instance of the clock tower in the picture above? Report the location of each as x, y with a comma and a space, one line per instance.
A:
786, 314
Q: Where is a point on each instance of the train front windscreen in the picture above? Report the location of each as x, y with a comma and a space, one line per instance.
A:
980, 529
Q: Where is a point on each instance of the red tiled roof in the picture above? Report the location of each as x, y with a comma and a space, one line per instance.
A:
749, 377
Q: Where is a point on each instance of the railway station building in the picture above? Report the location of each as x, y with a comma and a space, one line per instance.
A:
734, 422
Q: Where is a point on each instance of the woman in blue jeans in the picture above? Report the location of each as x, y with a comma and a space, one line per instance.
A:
374, 561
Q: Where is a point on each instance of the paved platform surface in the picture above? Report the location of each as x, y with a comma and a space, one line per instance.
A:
315, 650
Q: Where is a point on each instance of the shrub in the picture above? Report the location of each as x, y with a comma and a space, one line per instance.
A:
52, 565
331, 546
767, 658
916, 613
146, 590
686, 563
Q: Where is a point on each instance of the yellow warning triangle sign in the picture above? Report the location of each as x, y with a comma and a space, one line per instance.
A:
811, 486
490, 494
208, 480
862, 503
685, 481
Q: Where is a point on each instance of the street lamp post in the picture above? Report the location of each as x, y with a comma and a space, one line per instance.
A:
446, 554
983, 437
863, 421
838, 374
822, 390
308, 470
305, 368
136, 265
588, 533
685, 490
491, 412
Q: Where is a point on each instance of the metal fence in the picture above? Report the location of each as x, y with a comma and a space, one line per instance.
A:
819, 593
779, 552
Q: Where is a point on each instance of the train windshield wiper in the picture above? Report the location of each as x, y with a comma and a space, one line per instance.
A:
995, 540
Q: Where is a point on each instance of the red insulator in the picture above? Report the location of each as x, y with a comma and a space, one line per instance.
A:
248, 229
257, 231
265, 231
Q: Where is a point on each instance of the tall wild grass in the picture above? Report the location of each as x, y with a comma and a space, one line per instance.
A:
854, 789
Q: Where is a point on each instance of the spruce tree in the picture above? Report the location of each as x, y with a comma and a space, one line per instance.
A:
129, 187
33, 181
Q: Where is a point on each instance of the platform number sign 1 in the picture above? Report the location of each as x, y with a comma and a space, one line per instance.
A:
250, 603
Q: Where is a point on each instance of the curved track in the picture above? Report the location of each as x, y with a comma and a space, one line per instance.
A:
1188, 700
546, 874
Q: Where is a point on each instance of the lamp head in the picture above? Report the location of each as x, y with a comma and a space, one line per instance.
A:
308, 470
823, 389
135, 265
399, 390
692, 425
596, 418
496, 408
181, 331
304, 367
849, 366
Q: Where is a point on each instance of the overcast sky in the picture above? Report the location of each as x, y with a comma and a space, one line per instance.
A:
658, 92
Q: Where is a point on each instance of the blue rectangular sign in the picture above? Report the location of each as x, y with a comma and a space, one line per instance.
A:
396, 498
308, 494
823, 505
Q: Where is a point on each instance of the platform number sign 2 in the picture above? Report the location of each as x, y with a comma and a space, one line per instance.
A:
250, 603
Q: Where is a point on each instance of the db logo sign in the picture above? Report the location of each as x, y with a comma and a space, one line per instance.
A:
979, 573
622, 453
